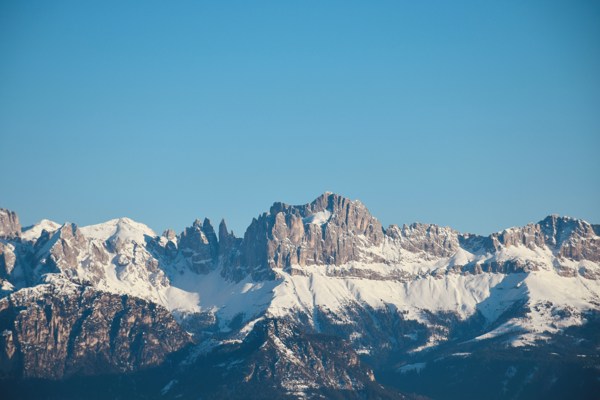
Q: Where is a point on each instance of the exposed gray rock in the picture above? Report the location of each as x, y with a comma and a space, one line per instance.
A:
530, 236
229, 246
8, 259
567, 237
59, 252
16, 260
571, 238
200, 245
330, 230
170, 235
51, 333
427, 238
9, 224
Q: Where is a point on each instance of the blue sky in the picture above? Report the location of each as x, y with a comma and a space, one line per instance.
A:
474, 114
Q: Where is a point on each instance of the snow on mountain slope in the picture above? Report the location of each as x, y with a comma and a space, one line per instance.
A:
123, 256
458, 293
553, 302
124, 229
113, 257
331, 256
224, 298
32, 233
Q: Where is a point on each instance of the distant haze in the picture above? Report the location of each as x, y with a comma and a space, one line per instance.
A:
476, 115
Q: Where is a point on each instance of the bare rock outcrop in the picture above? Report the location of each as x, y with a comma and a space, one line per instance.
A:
10, 227
330, 230
54, 333
199, 244
571, 238
432, 239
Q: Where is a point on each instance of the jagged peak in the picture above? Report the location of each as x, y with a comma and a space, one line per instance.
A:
9, 224
551, 221
223, 231
206, 224
202, 224
69, 230
557, 218
559, 229
66, 231
6, 211
201, 233
331, 199
169, 234
327, 201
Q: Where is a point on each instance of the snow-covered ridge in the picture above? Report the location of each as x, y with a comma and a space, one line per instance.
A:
33, 232
124, 229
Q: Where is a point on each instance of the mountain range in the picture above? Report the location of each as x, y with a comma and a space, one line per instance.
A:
314, 301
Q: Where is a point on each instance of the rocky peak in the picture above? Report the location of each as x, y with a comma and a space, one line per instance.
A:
566, 237
170, 235
209, 231
571, 238
331, 208
9, 224
557, 229
330, 230
199, 235
200, 245
227, 239
169, 241
60, 251
229, 253
223, 233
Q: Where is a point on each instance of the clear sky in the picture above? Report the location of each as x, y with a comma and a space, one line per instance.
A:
475, 114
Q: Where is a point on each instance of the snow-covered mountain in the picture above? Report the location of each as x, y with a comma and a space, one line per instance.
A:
393, 295
32, 233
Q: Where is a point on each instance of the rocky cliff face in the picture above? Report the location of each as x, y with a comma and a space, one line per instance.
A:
330, 230
567, 237
9, 224
199, 244
571, 238
425, 238
8, 260
54, 332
